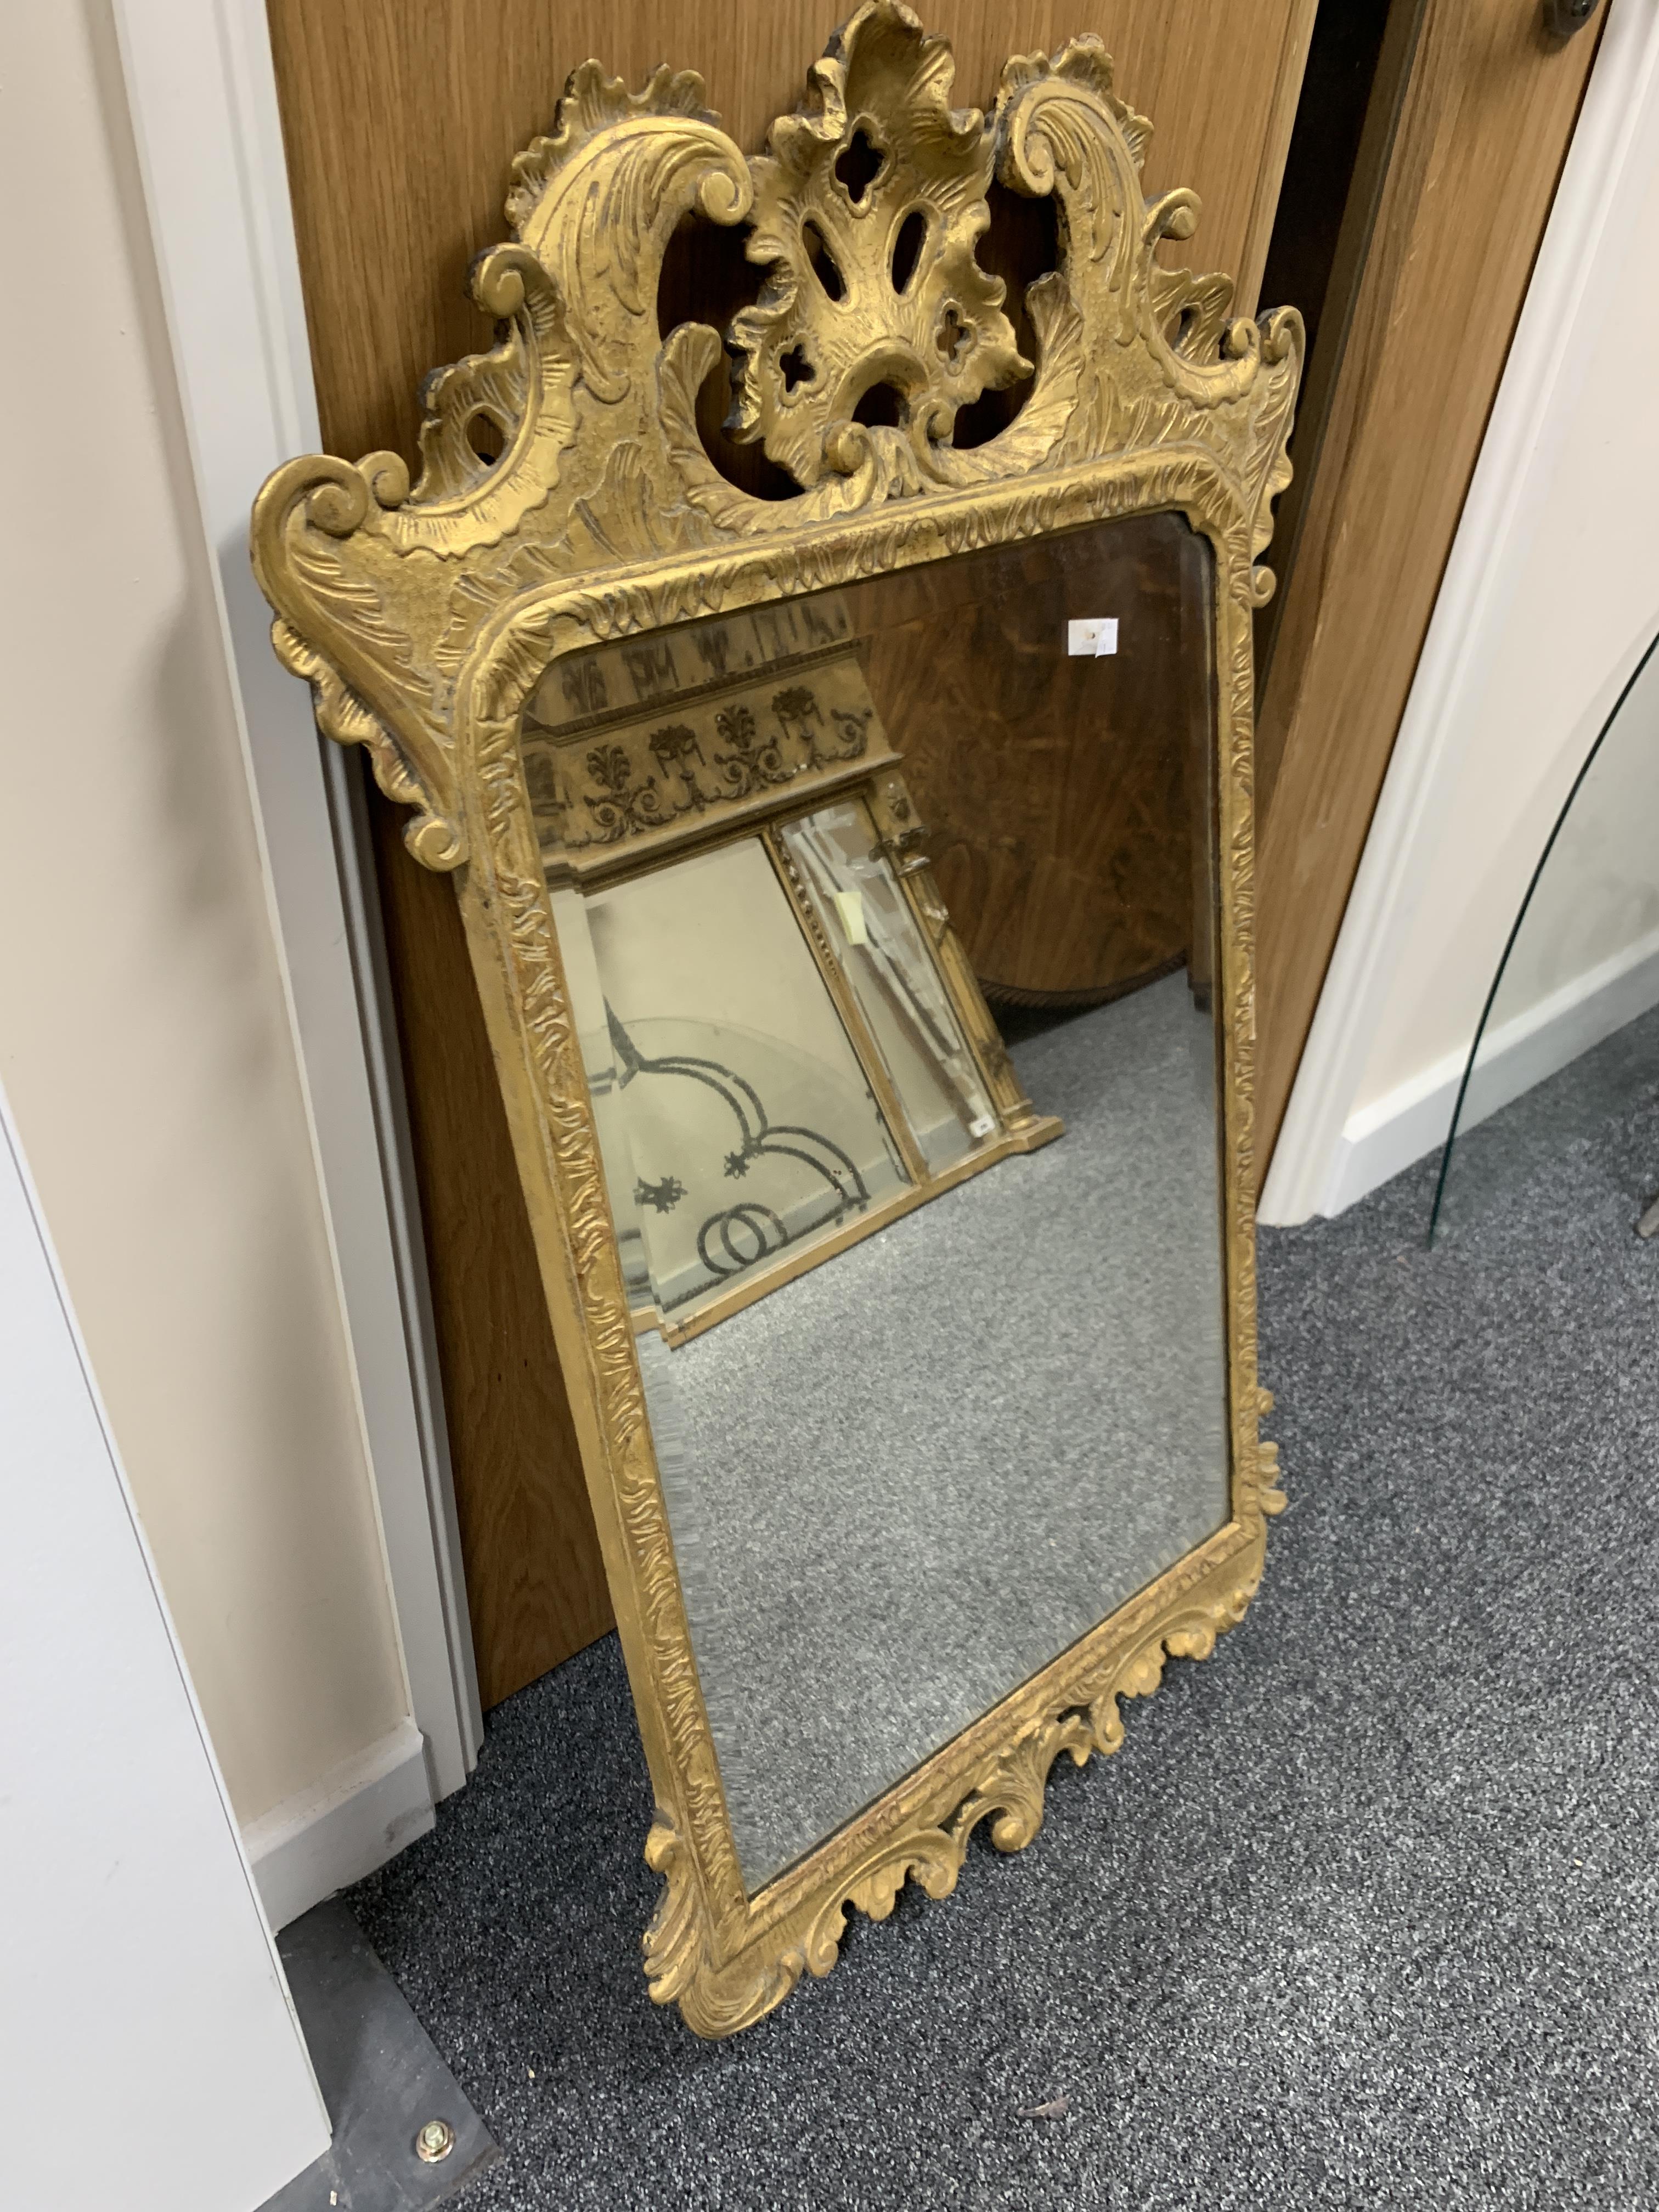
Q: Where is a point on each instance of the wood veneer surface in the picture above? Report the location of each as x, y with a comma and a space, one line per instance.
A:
1488, 111
401, 119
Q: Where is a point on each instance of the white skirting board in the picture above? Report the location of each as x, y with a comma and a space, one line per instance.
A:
1411, 1120
355, 1820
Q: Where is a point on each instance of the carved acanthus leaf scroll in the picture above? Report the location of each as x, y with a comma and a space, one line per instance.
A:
1071, 1711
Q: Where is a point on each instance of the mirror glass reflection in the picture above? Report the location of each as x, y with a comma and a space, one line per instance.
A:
928, 1291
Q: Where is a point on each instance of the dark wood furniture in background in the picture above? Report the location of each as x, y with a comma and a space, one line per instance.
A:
1054, 788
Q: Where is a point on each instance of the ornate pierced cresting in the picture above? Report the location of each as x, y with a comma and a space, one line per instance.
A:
567, 500
866, 229
384, 592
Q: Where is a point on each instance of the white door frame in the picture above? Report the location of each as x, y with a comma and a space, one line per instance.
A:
1327, 1152
202, 94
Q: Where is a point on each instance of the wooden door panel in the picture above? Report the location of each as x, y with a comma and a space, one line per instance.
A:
401, 119
1489, 108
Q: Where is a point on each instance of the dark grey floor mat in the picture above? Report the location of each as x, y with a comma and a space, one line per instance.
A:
383, 2083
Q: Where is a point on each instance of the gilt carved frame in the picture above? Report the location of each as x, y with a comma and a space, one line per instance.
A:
423, 618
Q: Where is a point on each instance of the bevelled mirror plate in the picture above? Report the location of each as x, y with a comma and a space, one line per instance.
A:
931, 1334
858, 889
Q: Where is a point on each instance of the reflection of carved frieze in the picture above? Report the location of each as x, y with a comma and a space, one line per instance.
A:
593, 787
834, 732
755, 758
673, 745
656, 670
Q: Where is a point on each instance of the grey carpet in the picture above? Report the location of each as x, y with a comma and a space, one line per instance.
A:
903, 1483
1494, 1161
1362, 1913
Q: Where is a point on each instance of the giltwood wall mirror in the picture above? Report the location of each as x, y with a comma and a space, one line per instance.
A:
915, 1375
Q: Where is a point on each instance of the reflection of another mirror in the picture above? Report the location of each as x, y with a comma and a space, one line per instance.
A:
858, 902
741, 1126
737, 1119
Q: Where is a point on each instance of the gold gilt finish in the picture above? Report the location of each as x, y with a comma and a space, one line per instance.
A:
424, 618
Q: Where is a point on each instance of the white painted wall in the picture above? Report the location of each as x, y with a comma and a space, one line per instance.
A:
1597, 901
202, 91
149, 2052
145, 1035
1551, 594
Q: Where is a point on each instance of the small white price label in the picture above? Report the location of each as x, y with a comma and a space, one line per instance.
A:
1095, 636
